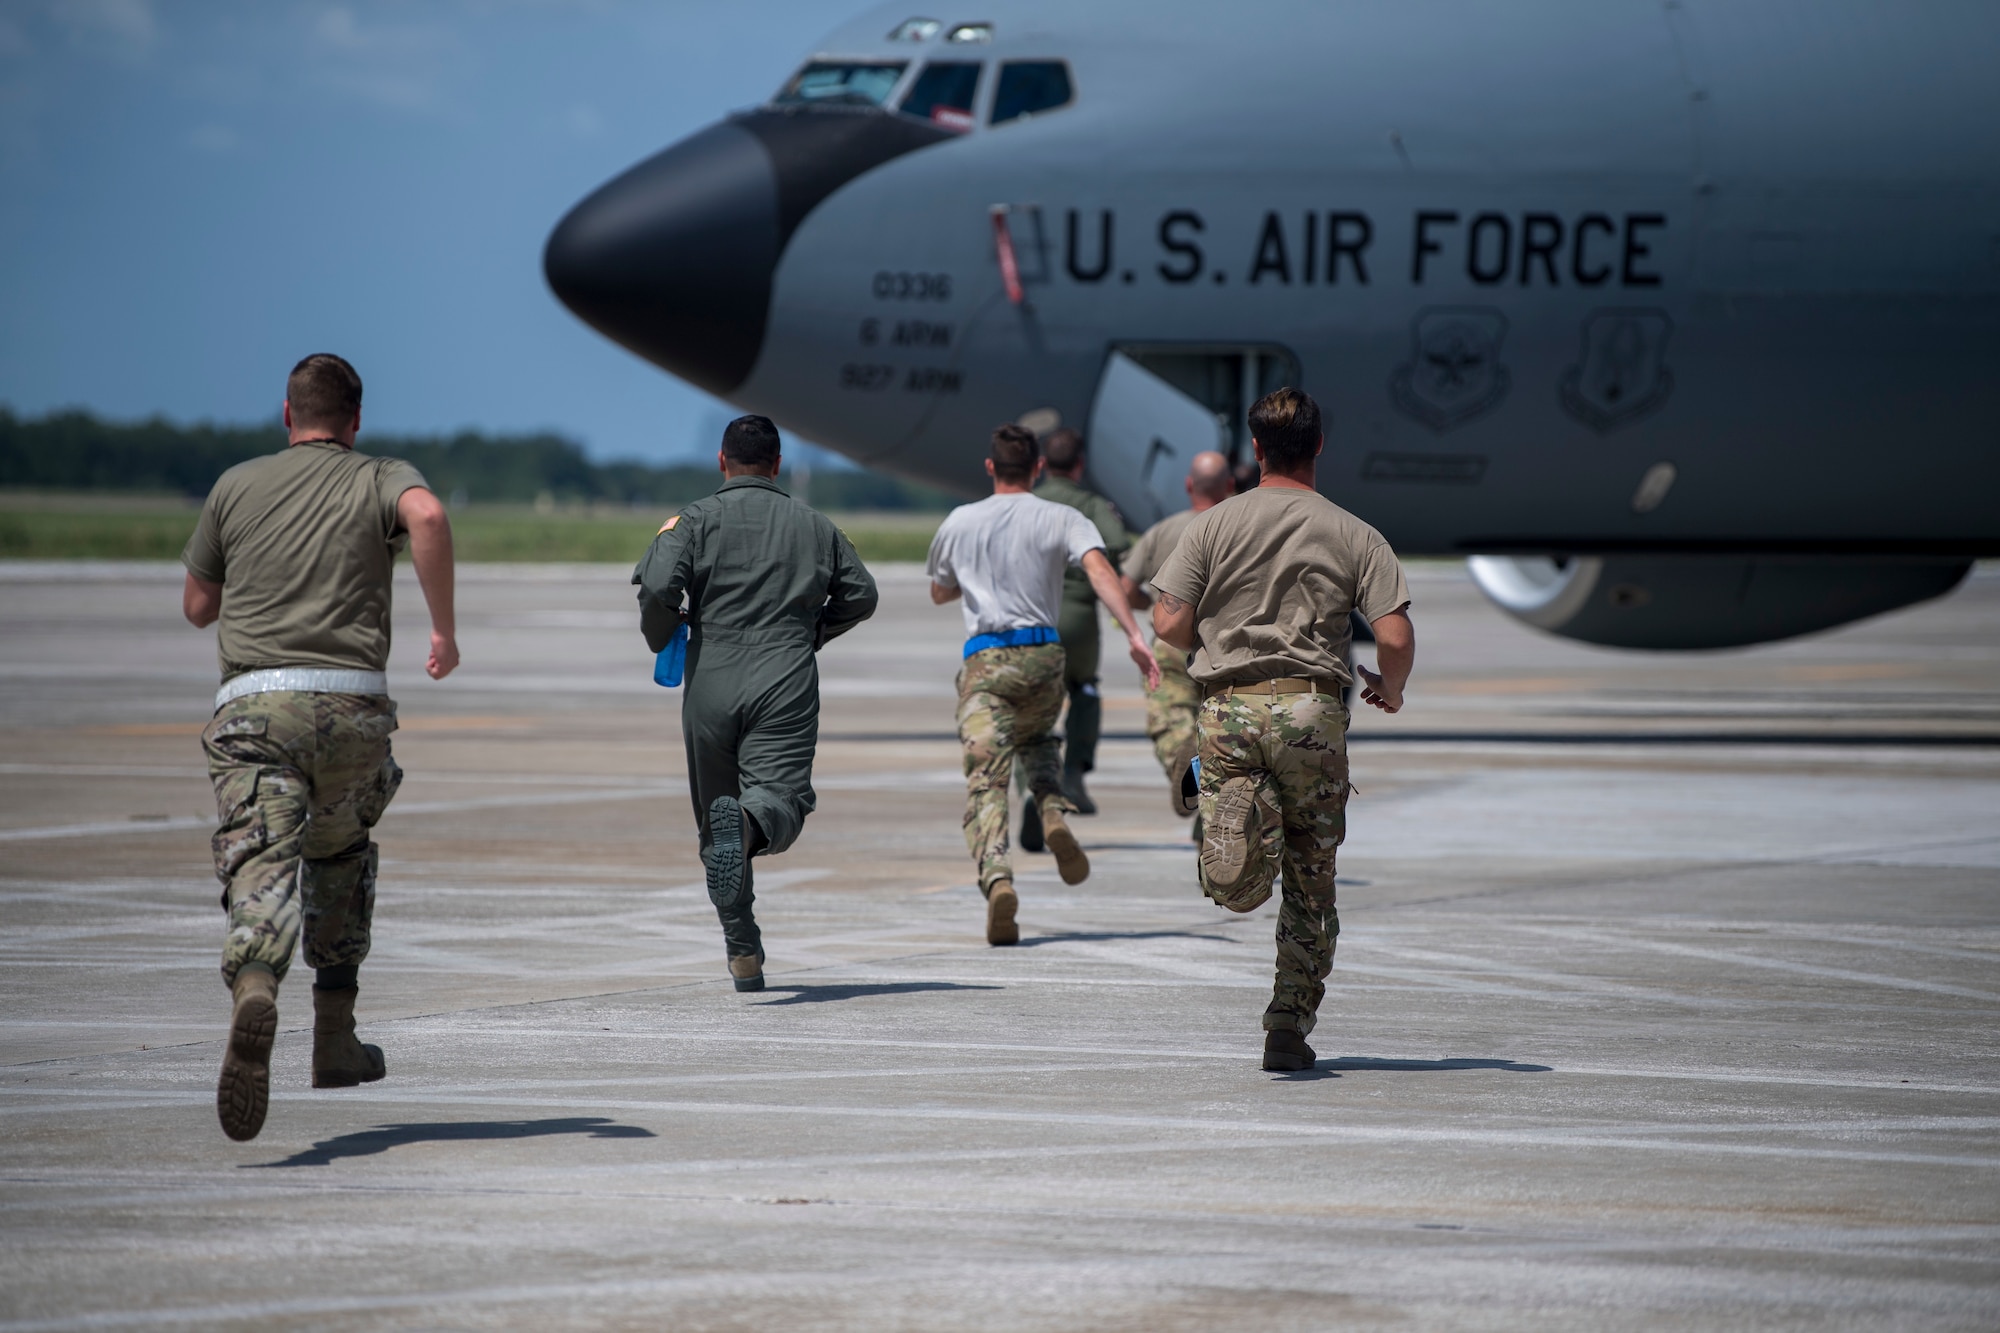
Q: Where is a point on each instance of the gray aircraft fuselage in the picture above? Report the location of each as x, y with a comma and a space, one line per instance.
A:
1569, 277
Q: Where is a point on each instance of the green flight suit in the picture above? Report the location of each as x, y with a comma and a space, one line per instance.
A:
1077, 625
767, 581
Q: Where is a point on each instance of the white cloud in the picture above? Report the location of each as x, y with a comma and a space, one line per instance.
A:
339, 29
214, 138
121, 28
400, 66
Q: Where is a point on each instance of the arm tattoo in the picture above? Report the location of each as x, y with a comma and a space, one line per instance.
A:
1171, 604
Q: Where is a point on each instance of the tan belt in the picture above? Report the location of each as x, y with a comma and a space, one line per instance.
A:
1273, 688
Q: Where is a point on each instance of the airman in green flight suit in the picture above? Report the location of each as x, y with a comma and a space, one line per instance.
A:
763, 582
1063, 484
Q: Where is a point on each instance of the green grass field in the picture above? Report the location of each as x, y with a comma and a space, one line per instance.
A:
99, 527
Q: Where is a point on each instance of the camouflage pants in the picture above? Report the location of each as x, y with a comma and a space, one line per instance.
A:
1294, 748
1171, 709
1008, 699
299, 780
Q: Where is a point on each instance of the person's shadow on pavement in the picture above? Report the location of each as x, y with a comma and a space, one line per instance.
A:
380, 1139
823, 994
1332, 1065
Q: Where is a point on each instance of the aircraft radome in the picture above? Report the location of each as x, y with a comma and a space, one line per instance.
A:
1682, 318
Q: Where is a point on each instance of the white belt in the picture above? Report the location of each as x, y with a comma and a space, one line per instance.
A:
313, 680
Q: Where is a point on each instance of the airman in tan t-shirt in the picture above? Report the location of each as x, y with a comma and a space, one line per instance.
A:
1171, 707
1261, 587
293, 556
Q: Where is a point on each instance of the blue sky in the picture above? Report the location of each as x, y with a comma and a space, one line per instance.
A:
195, 194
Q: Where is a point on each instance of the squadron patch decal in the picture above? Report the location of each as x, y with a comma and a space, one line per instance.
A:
1621, 374
1454, 372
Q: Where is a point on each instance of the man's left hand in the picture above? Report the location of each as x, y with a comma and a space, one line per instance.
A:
444, 656
1373, 691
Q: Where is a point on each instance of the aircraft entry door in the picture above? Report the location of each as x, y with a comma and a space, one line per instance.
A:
1159, 405
1143, 432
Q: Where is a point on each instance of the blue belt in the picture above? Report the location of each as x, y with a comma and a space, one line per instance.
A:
1026, 637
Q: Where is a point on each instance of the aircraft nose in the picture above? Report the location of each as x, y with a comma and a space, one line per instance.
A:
674, 259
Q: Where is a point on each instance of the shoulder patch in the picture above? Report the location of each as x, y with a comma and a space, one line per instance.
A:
668, 526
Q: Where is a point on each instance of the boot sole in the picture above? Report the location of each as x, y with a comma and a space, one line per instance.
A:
725, 852
1225, 847
243, 1093
1000, 925
750, 983
1071, 863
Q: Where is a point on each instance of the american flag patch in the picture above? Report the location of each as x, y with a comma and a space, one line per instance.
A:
668, 526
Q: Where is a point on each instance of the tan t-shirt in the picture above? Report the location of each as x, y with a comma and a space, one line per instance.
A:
304, 545
1271, 575
1155, 544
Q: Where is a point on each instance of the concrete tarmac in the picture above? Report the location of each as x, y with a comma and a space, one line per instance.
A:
1666, 999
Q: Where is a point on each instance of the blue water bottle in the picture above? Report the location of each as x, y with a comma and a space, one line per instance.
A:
667, 667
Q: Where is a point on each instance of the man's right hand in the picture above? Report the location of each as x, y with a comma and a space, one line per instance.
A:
444, 656
1374, 691
1142, 656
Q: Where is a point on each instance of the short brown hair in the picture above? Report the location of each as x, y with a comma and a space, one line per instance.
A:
1014, 454
1064, 448
1286, 422
324, 391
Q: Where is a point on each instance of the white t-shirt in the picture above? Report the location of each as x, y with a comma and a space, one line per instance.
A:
1008, 553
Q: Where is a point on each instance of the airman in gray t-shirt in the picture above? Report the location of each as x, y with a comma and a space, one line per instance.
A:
1005, 556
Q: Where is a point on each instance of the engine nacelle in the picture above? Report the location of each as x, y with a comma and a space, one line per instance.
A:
1703, 601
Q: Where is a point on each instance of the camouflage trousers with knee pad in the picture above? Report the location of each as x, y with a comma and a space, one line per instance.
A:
1171, 709
1290, 750
1008, 700
300, 779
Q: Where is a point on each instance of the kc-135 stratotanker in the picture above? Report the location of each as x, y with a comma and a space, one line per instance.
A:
1680, 317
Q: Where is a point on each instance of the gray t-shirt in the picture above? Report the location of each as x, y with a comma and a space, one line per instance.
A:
1007, 553
304, 545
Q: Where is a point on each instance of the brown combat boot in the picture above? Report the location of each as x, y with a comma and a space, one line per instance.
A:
1286, 1052
1001, 904
243, 1093
340, 1061
1233, 834
748, 970
1071, 863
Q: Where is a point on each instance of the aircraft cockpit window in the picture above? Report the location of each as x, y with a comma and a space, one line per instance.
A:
1028, 87
943, 93
970, 32
915, 30
842, 83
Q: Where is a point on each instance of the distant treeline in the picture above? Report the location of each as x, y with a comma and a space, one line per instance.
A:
75, 451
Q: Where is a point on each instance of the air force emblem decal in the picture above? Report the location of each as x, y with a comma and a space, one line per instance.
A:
1454, 372
1622, 375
